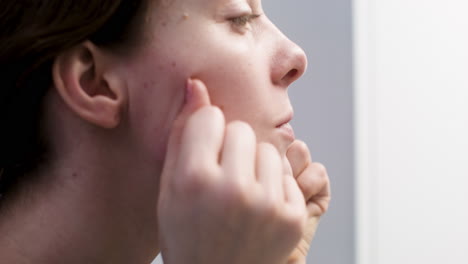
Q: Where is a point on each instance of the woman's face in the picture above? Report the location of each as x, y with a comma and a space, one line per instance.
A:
230, 45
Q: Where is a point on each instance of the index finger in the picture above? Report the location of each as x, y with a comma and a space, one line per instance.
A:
202, 138
196, 96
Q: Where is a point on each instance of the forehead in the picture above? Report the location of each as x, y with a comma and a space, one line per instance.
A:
169, 13
167, 4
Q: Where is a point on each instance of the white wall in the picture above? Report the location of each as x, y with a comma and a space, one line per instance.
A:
411, 59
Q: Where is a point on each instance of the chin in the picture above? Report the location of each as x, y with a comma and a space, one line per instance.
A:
283, 138
280, 144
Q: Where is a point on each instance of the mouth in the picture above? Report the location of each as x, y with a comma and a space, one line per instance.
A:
285, 127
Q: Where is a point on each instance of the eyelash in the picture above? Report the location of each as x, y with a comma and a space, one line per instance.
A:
242, 21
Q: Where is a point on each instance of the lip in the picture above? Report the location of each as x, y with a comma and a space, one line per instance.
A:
285, 128
285, 119
287, 131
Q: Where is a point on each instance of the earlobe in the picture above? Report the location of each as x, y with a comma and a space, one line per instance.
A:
83, 77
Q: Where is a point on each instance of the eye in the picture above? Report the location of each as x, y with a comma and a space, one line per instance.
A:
242, 21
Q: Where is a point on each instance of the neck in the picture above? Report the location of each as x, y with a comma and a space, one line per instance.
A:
83, 212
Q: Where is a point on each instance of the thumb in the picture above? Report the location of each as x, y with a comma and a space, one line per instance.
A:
196, 97
298, 155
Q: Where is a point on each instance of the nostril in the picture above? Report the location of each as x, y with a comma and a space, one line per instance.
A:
291, 75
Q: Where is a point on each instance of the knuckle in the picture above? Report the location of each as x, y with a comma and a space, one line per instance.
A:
196, 167
296, 221
240, 126
196, 178
267, 148
302, 147
190, 187
304, 185
292, 224
240, 130
324, 204
298, 148
211, 113
201, 171
238, 190
269, 208
320, 169
240, 200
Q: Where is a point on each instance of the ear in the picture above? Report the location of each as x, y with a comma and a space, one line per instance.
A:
84, 79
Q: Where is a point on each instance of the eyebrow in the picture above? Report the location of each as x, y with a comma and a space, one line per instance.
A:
225, 7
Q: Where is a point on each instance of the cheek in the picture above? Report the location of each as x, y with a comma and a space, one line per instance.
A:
240, 84
236, 85
156, 94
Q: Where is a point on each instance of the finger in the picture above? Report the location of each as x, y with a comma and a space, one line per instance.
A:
299, 157
196, 96
315, 186
287, 170
269, 170
202, 138
293, 195
312, 180
238, 154
317, 206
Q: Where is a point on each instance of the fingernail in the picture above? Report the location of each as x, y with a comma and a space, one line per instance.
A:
188, 90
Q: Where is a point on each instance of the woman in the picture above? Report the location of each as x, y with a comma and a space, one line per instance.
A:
119, 137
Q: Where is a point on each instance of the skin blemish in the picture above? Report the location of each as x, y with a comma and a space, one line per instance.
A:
164, 24
185, 16
174, 64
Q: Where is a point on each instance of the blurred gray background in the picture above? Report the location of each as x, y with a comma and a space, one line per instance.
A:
323, 102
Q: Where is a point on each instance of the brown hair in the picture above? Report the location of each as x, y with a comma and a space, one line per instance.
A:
32, 34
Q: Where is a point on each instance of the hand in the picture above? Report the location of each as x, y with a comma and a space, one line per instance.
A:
313, 180
223, 197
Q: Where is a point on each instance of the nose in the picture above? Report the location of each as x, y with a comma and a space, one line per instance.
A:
289, 62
